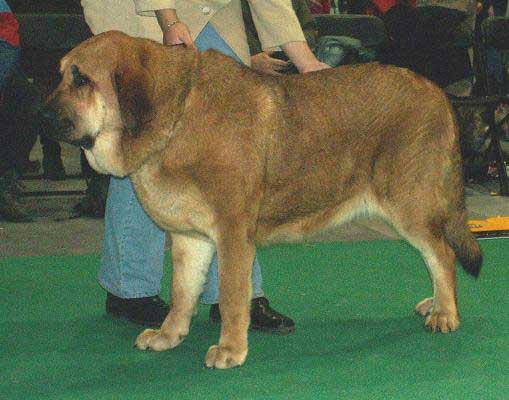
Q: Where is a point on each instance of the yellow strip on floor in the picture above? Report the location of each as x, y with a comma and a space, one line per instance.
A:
493, 225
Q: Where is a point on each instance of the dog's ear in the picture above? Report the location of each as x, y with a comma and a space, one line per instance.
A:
64, 62
134, 86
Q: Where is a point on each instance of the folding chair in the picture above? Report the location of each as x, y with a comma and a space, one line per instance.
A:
370, 30
495, 35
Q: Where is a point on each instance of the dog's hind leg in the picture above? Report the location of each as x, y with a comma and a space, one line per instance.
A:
191, 260
441, 310
427, 236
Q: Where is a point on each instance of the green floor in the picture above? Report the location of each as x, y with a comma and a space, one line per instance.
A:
357, 336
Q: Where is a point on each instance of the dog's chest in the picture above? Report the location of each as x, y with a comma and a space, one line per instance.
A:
174, 204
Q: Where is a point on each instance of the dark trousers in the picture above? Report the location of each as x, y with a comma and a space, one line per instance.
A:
19, 121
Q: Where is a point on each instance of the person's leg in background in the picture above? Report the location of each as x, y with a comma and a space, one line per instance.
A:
133, 253
42, 66
496, 59
11, 205
23, 102
26, 103
52, 165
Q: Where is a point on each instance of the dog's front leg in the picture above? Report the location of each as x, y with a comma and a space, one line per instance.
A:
236, 255
191, 259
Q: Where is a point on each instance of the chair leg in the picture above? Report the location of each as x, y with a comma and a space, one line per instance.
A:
499, 156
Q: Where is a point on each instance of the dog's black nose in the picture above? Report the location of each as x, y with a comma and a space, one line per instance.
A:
53, 125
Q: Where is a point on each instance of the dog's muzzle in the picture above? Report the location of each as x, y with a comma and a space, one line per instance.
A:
62, 129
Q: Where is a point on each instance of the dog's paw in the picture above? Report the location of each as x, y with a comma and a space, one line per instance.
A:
156, 340
424, 307
221, 358
442, 322
437, 321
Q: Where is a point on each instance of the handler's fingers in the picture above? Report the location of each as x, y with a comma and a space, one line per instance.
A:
188, 40
178, 34
279, 63
272, 71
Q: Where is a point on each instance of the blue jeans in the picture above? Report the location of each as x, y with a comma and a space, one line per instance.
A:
133, 248
9, 56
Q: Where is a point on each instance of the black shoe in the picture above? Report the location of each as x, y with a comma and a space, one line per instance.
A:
11, 207
263, 317
53, 168
147, 311
12, 210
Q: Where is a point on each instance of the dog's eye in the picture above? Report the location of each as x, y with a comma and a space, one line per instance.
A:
78, 78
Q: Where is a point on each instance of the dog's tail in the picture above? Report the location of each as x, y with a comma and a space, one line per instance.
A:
464, 244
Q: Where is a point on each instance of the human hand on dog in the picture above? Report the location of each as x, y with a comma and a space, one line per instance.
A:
303, 58
174, 31
263, 62
178, 33
314, 66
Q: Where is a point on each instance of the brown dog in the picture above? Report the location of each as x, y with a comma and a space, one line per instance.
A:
225, 158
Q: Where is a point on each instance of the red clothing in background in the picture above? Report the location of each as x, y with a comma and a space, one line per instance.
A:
323, 8
381, 6
8, 25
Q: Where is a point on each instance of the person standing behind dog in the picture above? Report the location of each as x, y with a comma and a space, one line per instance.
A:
11, 208
133, 252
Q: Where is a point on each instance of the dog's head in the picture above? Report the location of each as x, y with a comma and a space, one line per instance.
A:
104, 92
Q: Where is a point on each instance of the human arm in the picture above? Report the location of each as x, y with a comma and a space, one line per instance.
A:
261, 61
278, 27
302, 57
174, 31
264, 62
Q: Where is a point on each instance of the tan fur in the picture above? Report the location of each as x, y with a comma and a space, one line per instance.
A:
223, 157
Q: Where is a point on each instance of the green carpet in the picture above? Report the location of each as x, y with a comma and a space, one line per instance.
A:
357, 336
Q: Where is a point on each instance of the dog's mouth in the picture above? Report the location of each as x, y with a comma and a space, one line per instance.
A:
86, 142
64, 130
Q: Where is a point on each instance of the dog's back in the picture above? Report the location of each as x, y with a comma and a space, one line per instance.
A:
366, 139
